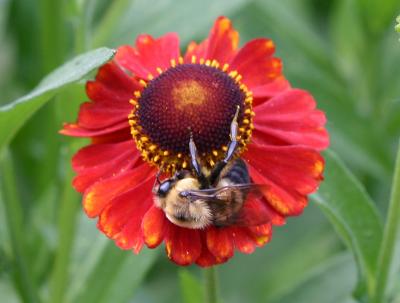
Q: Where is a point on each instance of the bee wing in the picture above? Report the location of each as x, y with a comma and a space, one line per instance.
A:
253, 211
217, 193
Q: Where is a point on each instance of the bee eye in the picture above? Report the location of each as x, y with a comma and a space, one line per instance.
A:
164, 188
182, 174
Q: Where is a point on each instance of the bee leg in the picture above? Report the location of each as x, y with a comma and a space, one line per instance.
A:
196, 166
231, 149
157, 182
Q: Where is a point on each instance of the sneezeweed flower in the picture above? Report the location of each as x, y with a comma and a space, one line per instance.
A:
144, 105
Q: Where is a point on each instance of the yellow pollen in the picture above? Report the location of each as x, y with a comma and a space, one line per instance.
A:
215, 153
143, 83
133, 101
137, 94
188, 92
152, 147
225, 67
180, 60
202, 60
193, 59
159, 70
184, 164
208, 62
233, 74
173, 62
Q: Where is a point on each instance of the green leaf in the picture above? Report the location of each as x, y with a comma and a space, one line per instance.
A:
191, 287
102, 272
14, 115
386, 270
354, 215
331, 282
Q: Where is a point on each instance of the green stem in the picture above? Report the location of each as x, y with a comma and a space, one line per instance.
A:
66, 231
107, 24
390, 236
210, 285
14, 216
52, 34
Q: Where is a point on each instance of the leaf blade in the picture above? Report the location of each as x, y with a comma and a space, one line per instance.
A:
355, 217
13, 115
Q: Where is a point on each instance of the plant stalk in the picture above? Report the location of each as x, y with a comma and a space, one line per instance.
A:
210, 285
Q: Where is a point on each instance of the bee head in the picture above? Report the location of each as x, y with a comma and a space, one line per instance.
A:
179, 208
166, 185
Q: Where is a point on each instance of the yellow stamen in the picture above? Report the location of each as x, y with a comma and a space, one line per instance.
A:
143, 83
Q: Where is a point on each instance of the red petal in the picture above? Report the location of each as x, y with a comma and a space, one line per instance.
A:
264, 92
260, 234
219, 242
149, 54
183, 245
114, 167
256, 212
223, 41
291, 172
101, 115
116, 80
221, 44
101, 193
206, 258
76, 131
99, 154
255, 63
121, 219
197, 50
243, 242
291, 117
153, 226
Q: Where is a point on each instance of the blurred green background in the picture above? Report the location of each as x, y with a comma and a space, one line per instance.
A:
345, 52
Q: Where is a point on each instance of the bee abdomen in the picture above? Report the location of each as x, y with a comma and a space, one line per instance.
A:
237, 173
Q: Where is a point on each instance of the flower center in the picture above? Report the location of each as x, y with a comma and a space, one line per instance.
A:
186, 99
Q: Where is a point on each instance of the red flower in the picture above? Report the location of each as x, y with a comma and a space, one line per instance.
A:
280, 130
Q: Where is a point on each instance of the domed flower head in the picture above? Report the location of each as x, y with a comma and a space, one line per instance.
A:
150, 102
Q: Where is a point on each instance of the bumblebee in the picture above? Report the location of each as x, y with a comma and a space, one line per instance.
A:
199, 198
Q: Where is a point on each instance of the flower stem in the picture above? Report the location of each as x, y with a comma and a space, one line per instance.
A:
23, 276
210, 284
107, 24
66, 232
391, 234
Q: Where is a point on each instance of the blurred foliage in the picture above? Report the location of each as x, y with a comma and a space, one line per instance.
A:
345, 52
